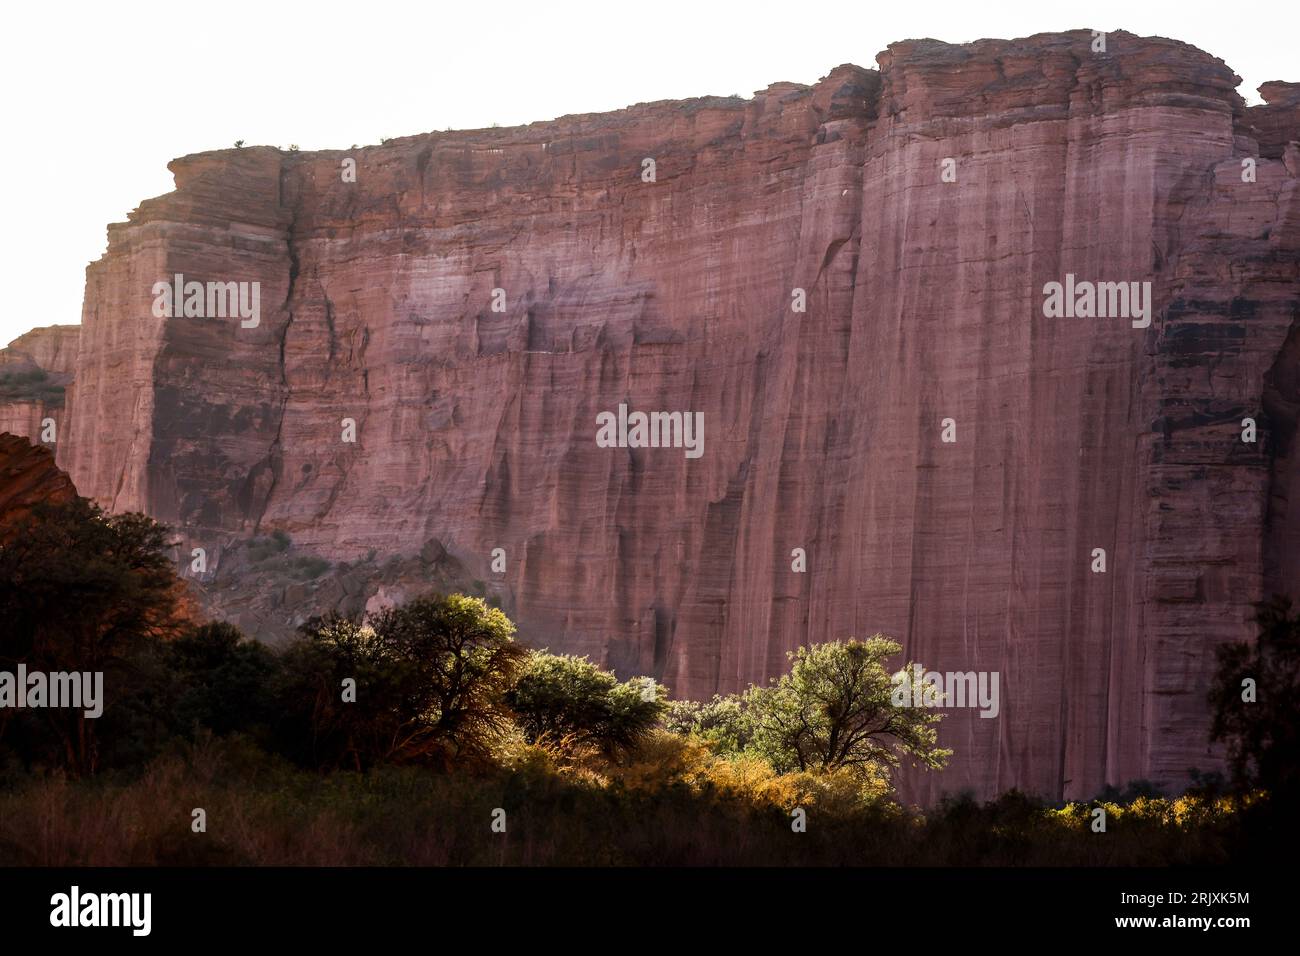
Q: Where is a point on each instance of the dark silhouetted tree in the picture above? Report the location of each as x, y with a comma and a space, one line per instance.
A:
83, 591
1263, 735
430, 679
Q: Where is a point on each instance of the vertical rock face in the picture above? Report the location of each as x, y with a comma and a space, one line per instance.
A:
178, 417
823, 430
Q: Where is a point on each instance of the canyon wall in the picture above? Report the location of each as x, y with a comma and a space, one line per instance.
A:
35, 370
475, 410
28, 479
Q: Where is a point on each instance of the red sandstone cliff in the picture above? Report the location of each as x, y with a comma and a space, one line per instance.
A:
476, 428
35, 370
52, 348
28, 477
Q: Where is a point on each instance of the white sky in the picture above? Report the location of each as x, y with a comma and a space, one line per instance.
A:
98, 97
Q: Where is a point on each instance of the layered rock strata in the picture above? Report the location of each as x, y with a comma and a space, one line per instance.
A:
472, 301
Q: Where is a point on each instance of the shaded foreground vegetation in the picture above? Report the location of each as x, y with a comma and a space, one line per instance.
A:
426, 734
673, 804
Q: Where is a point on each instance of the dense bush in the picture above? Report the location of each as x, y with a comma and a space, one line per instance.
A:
428, 681
1256, 701
392, 738
82, 591
1256, 704
833, 711
722, 721
573, 703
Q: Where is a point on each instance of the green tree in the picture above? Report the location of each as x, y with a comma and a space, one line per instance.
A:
465, 658
223, 680
430, 679
570, 701
209, 679
1262, 734
722, 721
344, 701
83, 591
835, 710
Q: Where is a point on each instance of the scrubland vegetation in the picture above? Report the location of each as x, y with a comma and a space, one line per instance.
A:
431, 733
